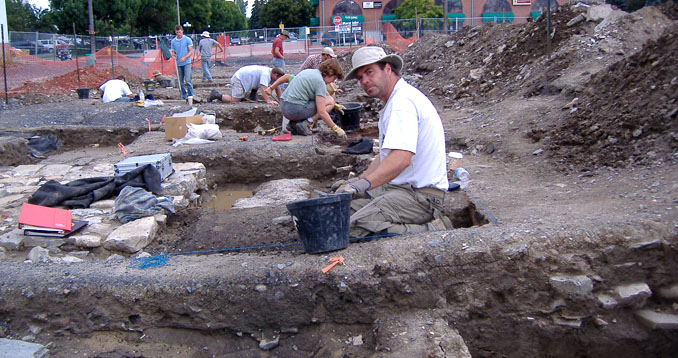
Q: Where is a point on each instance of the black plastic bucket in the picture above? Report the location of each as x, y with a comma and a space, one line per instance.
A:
351, 117
322, 223
83, 93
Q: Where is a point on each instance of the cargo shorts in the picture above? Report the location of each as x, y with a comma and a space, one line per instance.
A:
237, 89
395, 209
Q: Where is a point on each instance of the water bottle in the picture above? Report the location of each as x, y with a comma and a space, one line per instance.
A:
462, 175
141, 95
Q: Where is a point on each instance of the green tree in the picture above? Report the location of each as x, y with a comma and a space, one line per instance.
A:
20, 16
242, 6
425, 9
65, 12
197, 13
155, 17
254, 15
118, 13
292, 13
226, 16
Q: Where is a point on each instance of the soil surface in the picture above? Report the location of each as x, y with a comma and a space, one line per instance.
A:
573, 160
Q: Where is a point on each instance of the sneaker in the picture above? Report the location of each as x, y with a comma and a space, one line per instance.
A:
290, 129
214, 95
442, 223
303, 128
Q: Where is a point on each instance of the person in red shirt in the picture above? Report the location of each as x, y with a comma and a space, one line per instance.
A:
277, 49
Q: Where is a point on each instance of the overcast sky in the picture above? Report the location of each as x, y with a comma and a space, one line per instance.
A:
43, 4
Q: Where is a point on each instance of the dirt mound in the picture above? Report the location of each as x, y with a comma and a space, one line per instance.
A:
631, 116
90, 77
670, 9
476, 60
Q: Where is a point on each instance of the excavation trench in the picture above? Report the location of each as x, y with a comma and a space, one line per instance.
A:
495, 294
486, 285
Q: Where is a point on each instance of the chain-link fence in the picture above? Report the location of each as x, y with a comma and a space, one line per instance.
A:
45, 45
34, 55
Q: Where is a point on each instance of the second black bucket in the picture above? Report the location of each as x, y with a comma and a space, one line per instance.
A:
83, 93
322, 223
351, 118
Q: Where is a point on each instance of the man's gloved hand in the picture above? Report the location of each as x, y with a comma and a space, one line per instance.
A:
341, 182
340, 108
358, 188
340, 132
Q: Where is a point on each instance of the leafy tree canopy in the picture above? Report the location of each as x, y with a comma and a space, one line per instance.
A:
292, 13
20, 16
425, 9
242, 6
254, 15
226, 16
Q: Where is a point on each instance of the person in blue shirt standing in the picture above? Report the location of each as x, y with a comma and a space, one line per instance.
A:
182, 51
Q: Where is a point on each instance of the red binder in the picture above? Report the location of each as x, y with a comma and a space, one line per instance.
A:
43, 218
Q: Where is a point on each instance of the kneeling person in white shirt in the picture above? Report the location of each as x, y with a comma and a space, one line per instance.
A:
403, 189
116, 90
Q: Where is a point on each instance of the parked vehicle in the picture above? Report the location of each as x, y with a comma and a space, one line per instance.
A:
25, 46
333, 38
45, 45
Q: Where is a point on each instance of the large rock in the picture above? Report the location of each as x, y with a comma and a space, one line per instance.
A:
20, 349
276, 193
12, 240
634, 294
657, 320
39, 254
133, 236
180, 185
598, 13
574, 287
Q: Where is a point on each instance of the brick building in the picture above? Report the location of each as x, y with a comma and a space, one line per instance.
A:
465, 12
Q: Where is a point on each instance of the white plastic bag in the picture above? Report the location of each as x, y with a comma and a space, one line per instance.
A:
203, 131
186, 140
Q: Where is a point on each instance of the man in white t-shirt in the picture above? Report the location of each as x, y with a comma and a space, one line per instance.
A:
116, 90
406, 184
246, 81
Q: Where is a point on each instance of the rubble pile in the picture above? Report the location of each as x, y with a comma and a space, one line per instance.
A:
480, 60
614, 66
629, 117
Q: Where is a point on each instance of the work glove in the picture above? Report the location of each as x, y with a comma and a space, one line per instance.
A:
341, 182
339, 108
340, 132
358, 188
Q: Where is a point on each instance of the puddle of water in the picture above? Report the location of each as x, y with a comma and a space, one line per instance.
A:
225, 198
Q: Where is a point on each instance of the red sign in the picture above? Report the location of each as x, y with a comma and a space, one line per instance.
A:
336, 20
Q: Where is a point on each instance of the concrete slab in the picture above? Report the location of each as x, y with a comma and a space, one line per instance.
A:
10, 348
657, 320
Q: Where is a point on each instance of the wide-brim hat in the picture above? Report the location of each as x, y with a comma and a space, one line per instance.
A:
205, 34
329, 51
372, 54
285, 32
157, 73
